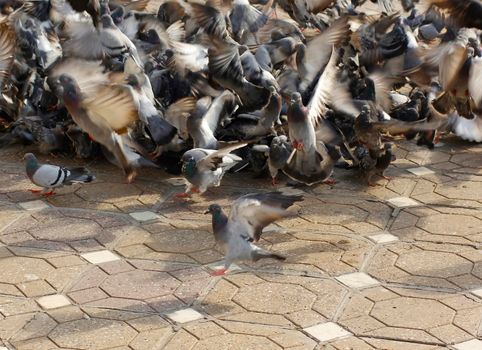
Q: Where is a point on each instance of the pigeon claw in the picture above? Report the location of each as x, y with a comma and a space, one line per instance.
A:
330, 182
35, 191
183, 195
273, 181
387, 177
298, 145
195, 190
48, 194
220, 272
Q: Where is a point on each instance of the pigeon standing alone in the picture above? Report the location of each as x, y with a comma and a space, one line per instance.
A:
249, 215
53, 176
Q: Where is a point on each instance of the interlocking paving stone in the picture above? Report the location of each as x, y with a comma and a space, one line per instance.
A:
34, 205
53, 301
100, 257
185, 315
144, 216
474, 344
327, 331
383, 238
357, 280
421, 171
164, 264
403, 202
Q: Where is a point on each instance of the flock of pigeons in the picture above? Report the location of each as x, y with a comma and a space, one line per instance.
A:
209, 86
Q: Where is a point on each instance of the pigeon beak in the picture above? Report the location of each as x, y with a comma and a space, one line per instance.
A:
207, 212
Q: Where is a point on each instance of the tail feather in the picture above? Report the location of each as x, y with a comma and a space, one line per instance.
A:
79, 175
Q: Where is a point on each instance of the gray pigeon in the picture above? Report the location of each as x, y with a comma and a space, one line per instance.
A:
205, 168
279, 153
249, 215
312, 160
53, 176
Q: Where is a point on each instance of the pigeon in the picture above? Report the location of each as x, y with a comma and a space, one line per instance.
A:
53, 176
311, 160
249, 215
371, 164
105, 115
204, 168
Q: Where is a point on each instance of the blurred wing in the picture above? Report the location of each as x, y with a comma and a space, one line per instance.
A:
210, 19
114, 106
253, 212
475, 78
395, 127
87, 74
383, 86
214, 159
7, 51
321, 95
84, 40
318, 50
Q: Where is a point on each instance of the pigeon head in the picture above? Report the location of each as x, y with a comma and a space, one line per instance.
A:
29, 157
214, 209
107, 21
31, 164
296, 98
71, 92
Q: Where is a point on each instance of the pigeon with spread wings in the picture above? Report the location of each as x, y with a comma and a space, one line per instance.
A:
249, 215
312, 161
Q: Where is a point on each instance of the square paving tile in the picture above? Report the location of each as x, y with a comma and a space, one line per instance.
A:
100, 257
34, 205
403, 202
144, 216
421, 171
53, 301
327, 331
473, 344
383, 238
357, 280
185, 315
477, 292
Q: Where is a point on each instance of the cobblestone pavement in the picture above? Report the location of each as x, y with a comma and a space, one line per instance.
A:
116, 266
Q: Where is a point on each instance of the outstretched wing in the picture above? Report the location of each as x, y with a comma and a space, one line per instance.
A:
251, 213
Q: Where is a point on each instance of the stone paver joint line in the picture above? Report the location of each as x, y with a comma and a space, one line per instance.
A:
99, 257
327, 331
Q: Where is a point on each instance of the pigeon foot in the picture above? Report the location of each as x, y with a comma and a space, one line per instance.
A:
330, 182
35, 191
183, 195
48, 194
220, 272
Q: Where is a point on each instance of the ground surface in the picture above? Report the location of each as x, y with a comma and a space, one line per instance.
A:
425, 262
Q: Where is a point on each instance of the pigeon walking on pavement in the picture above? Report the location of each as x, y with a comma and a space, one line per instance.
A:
53, 176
